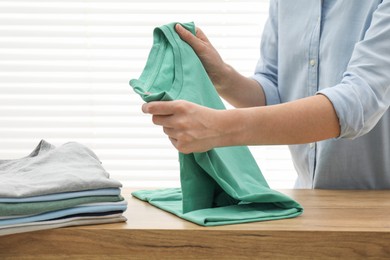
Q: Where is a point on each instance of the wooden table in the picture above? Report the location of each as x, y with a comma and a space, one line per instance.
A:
339, 224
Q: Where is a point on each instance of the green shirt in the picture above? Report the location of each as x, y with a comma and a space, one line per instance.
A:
223, 185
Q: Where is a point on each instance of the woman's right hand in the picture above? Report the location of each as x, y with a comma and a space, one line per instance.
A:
208, 55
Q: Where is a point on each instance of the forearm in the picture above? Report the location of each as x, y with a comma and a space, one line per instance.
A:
238, 90
302, 121
195, 128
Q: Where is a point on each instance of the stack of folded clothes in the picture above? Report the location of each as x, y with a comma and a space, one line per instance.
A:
57, 187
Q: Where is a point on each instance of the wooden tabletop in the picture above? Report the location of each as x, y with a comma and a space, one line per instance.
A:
335, 224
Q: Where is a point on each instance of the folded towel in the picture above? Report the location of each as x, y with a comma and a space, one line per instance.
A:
223, 185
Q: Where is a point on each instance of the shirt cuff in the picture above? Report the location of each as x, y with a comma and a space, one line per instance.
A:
348, 109
270, 91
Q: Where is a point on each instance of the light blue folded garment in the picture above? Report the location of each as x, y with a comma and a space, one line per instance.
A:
64, 195
92, 208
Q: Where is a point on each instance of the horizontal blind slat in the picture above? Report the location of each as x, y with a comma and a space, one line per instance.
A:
65, 68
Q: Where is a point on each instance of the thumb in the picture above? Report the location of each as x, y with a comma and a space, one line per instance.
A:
195, 42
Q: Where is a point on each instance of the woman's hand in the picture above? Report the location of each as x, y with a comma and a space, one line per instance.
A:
190, 127
208, 55
235, 88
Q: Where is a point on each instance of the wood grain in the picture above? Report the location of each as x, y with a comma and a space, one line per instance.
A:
335, 224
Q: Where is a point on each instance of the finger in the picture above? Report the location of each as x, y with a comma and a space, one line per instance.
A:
199, 34
185, 35
173, 141
188, 37
170, 132
165, 121
158, 108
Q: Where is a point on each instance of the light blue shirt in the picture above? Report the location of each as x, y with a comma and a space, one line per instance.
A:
341, 49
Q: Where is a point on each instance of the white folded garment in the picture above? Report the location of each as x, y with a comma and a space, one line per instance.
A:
63, 222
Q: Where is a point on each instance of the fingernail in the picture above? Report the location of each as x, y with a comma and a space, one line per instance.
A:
179, 27
145, 108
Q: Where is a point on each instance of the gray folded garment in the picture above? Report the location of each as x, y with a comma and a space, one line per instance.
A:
49, 169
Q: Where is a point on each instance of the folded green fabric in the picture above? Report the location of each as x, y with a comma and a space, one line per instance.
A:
220, 186
30, 208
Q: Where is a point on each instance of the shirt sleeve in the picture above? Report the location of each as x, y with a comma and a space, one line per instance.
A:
363, 95
266, 72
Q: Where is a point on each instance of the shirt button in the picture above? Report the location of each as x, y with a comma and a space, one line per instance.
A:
311, 145
312, 63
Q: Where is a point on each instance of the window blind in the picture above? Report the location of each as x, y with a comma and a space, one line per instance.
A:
65, 67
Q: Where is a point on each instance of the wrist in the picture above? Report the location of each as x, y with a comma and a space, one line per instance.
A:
222, 80
232, 128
